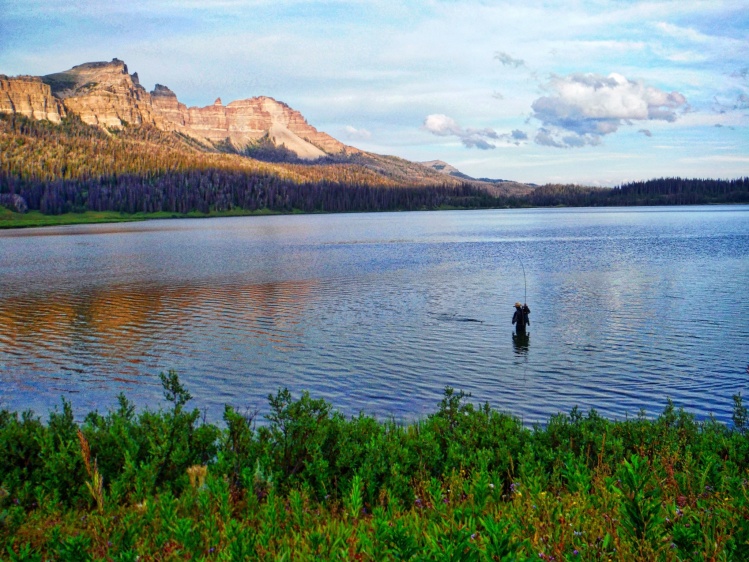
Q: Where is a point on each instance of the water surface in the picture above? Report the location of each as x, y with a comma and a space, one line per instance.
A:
378, 312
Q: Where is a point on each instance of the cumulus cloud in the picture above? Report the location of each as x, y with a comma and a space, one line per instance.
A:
356, 134
444, 126
582, 108
483, 139
508, 60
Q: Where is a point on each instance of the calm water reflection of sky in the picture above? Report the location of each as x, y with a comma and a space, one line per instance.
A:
378, 312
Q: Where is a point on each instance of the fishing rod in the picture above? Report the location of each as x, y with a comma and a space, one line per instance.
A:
525, 282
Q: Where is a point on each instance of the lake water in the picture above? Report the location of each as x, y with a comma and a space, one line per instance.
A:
378, 312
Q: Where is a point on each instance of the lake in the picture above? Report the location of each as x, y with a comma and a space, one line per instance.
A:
378, 312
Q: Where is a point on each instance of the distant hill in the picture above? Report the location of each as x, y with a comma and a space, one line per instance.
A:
495, 186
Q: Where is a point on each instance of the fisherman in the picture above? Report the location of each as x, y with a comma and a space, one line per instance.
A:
520, 318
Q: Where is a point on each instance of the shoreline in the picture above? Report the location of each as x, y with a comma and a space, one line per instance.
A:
10, 220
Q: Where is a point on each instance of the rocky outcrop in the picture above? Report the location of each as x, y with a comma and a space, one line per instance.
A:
245, 122
30, 97
14, 202
105, 94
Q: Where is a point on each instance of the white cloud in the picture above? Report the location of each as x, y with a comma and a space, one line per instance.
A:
483, 139
582, 108
356, 134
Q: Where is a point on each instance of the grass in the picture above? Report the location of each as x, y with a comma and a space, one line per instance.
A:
465, 483
10, 219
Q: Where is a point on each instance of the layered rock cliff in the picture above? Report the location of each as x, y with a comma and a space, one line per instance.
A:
244, 122
30, 97
105, 94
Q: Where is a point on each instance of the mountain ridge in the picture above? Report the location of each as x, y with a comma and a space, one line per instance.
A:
108, 96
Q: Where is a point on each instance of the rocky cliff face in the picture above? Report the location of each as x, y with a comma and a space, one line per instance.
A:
30, 97
105, 94
244, 122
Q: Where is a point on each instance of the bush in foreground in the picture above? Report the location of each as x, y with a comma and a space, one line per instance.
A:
466, 483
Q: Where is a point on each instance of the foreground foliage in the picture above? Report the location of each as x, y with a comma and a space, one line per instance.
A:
466, 483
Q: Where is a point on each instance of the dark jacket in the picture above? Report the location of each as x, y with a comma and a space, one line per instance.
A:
521, 317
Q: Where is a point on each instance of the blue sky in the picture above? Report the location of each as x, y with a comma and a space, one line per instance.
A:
597, 92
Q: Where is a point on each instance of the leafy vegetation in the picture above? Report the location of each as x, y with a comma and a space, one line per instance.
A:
465, 483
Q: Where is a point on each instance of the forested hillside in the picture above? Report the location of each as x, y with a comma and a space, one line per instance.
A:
74, 167
664, 191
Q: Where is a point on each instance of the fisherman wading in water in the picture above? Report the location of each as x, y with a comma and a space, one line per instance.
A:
520, 318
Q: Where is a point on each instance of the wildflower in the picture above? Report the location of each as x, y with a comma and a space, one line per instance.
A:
575, 552
473, 536
673, 545
491, 485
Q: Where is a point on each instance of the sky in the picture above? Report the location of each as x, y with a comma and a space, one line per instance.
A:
597, 92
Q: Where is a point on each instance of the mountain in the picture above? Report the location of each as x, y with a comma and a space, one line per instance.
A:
494, 186
108, 96
93, 138
105, 94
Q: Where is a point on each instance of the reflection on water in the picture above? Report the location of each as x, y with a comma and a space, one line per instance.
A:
138, 323
377, 313
521, 341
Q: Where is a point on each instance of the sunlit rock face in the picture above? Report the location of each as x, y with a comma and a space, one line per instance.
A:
30, 97
244, 122
105, 94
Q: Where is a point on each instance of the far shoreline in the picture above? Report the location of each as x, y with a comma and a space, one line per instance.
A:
10, 220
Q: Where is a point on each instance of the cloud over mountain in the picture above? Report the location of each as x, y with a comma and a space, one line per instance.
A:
582, 108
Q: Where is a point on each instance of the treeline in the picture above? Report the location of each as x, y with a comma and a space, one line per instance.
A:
664, 191
224, 190
218, 189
